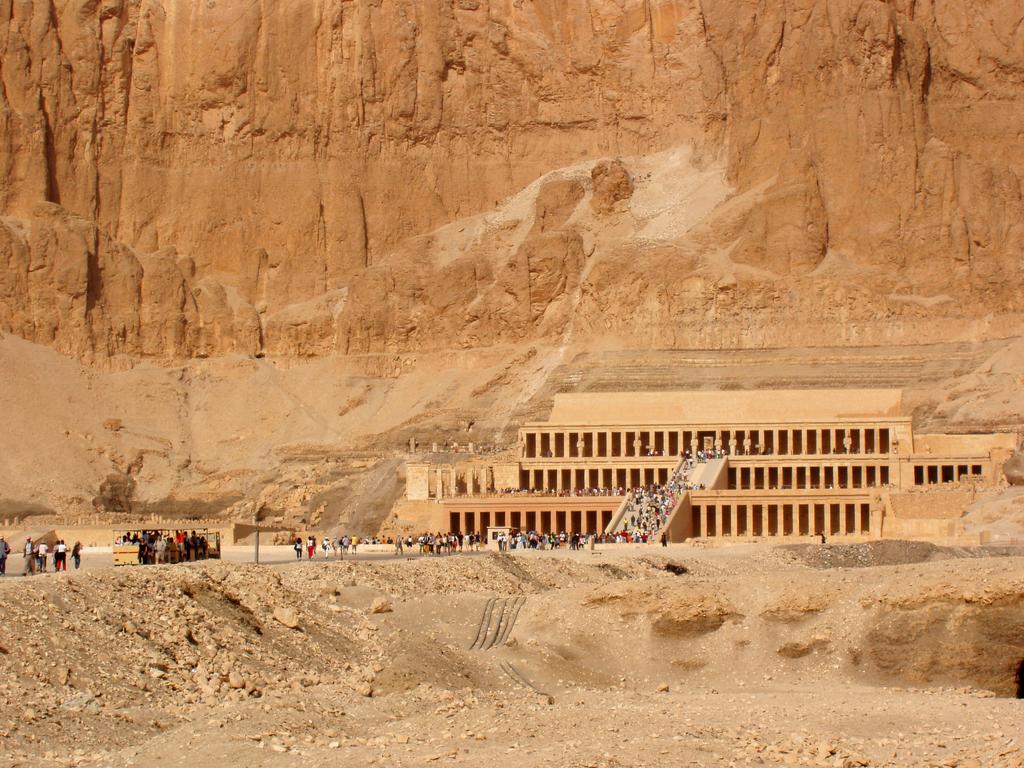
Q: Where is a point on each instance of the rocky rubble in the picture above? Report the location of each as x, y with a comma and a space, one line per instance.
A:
370, 663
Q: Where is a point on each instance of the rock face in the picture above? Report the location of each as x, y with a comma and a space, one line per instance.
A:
1013, 469
192, 179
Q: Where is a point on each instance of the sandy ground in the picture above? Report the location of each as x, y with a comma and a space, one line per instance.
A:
854, 655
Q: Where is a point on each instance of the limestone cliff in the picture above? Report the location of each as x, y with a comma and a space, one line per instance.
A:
197, 178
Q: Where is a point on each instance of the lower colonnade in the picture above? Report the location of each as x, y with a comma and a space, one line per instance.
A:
739, 520
543, 514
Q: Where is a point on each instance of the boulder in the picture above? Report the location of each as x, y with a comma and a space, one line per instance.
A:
1013, 469
286, 616
381, 605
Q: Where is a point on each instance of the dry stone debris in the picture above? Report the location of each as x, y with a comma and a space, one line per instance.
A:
286, 616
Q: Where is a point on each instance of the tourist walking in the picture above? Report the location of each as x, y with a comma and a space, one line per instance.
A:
398, 545
310, 547
29, 553
325, 545
41, 552
5, 550
298, 548
76, 554
60, 556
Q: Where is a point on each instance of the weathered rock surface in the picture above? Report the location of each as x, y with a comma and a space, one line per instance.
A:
202, 179
1014, 469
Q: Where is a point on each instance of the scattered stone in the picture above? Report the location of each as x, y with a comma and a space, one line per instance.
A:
286, 616
381, 605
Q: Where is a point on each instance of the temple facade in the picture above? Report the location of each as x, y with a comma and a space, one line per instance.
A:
781, 463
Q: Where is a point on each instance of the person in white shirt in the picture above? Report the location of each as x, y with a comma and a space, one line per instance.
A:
41, 552
60, 556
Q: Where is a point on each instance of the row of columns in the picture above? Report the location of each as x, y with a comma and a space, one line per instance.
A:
812, 441
934, 474
782, 519
539, 520
575, 478
808, 477
447, 481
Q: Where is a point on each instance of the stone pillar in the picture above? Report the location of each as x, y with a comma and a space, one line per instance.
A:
558, 479
412, 445
733, 520
440, 483
764, 520
878, 440
470, 480
876, 513
703, 522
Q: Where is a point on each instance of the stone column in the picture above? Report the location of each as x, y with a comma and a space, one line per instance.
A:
470, 480
764, 520
878, 440
733, 520
440, 484
703, 522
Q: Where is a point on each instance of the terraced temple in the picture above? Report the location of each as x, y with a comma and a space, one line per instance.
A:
739, 464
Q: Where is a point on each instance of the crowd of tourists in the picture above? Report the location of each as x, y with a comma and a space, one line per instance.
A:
328, 548
38, 555
426, 543
648, 508
160, 547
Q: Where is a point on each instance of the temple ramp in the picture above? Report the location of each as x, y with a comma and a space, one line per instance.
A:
679, 525
620, 514
712, 474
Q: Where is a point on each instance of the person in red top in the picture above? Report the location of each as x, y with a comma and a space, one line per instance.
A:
310, 546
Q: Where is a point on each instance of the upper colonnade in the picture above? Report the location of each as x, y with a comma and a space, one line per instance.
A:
668, 424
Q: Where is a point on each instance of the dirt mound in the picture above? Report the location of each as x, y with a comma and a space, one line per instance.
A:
873, 553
